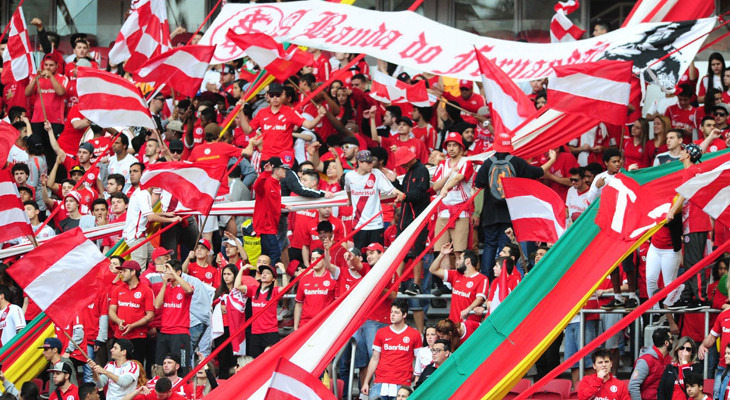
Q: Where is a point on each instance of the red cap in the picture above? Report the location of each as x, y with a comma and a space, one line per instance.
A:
503, 143
271, 268
205, 243
287, 158
404, 155
466, 84
131, 264
454, 137
373, 247
160, 251
75, 195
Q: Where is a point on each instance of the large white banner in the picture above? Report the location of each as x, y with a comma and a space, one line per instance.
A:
411, 40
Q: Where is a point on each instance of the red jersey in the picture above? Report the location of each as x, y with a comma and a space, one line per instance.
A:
469, 326
208, 274
593, 387
277, 129
321, 68
478, 147
14, 95
397, 351
132, 304
70, 138
688, 119
52, 102
348, 279
715, 145
72, 393
216, 151
240, 138
472, 104
721, 329
315, 293
312, 240
176, 311
561, 168
178, 389
301, 221
414, 145
90, 318
381, 313
267, 322
636, 154
267, 210
76, 355
427, 135
465, 290
101, 144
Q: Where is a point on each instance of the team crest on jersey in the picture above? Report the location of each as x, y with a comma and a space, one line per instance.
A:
326, 283
138, 295
613, 389
469, 284
406, 339
208, 274
92, 176
179, 296
206, 151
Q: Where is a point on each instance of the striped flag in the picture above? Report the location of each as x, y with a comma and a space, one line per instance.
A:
290, 381
109, 100
387, 89
270, 55
598, 90
537, 212
8, 136
18, 55
669, 10
13, 219
562, 29
195, 185
710, 191
62, 276
182, 68
144, 34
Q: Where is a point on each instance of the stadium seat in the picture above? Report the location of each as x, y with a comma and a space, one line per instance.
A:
708, 386
340, 388
555, 389
39, 383
520, 387
547, 396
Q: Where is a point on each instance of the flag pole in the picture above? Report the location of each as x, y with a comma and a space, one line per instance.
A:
5, 31
40, 96
150, 237
83, 352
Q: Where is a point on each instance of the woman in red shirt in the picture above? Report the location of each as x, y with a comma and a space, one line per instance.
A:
264, 328
662, 124
634, 147
225, 357
684, 361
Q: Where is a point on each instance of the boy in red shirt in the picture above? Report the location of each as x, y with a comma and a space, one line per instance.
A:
131, 309
267, 210
602, 384
198, 266
316, 289
173, 302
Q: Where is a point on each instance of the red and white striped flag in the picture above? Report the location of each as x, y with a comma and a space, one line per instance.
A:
181, 68
669, 10
290, 381
13, 219
562, 29
710, 191
195, 185
387, 89
62, 275
598, 90
8, 137
270, 55
18, 61
109, 100
537, 212
144, 34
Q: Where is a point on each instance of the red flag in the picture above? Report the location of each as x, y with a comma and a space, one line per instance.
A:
562, 29
13, 219
8, 137
387, 89
290, 381
710, 191
18, 55
665, 11
181, 68
109, 100
598, 90
62, 276
270, 55
195, 185
144, 34
537, 212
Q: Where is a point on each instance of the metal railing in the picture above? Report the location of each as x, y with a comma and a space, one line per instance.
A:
334, 366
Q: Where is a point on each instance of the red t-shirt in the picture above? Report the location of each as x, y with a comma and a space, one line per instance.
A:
321, 68
315, 293
70, 138
636, 154
52, 102
662, 239
267, 210
715, 145
175, 311
688, 119
76, 354
101, 144
721, 329
348, 278
216, 151
472, 104
301, 221
561, 168
312, 240
427, 135
208, 274
267, 322
14, 95
132, 304
465, 291
277, 130
397, 351
381, 313
414, 145
72, 393
469, 327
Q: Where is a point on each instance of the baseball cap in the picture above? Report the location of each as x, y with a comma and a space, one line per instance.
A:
722, 106
350, 140
87, 146
229, 242
403, 156
175, 126
131, 264
176, 144
77, 168
52, 343
694, 151
454, 137
276, 162
275, 88
173, 357
73, 194
61, 367
293, 265
364, 156
406, 120
466, 84
287, 158
373, 247
161, 251
269, 267
212, 129
205, 242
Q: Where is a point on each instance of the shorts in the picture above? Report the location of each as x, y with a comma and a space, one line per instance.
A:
458, 236
365, 237
418, 246
572, 340
607, 321
414, 304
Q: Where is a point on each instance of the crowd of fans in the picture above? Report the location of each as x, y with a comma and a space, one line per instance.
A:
182, 295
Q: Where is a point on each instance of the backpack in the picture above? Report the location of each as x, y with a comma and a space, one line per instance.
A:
498, 170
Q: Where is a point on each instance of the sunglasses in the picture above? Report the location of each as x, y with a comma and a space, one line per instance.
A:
176, 151
720, 114
685, 348
436, 351
574, 179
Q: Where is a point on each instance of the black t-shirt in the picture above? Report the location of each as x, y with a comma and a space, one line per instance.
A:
68, 224
495, 211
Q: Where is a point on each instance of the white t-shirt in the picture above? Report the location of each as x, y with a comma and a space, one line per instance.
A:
459, 193
140, 206
17, 155
121, 167
595, 191
576, 202
114, 390
12, 319
365, 192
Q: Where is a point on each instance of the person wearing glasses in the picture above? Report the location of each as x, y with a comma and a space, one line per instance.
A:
440, 352
650, 366
684, 362
720, 114
576, 200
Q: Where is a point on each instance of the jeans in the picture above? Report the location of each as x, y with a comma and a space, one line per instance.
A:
494, 240
270, 247
374, 393
720, 384
196, 331
365, 336
88, 375
572, 340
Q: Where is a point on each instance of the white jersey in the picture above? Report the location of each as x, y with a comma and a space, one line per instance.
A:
128, 374
12, 319
459, 193
140, 206
595, 191
121, 167
576, 202
365, 192
17, 155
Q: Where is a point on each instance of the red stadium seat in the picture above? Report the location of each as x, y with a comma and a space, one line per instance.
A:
555, 389
520, 387
708, 386
340, 388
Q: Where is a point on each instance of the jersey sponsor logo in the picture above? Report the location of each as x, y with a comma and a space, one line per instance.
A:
128, 304
725, 330
138, 295
314, 292
460, 293
365, 192
268, 127
398, 347
172, 305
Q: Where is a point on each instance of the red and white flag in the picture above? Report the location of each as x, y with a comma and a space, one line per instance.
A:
62, 276
387, 89
144, 34
669, 10
270, 55
8, 137
195, 185
109, 100
598, 90
290, 381
181, 68
537, 212
710, 191
13, 218
562, 29
18, 61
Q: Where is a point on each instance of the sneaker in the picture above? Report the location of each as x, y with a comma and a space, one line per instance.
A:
441, 291
287, 324
283, 314
631, 304
413, 290
661, 321
680, 305
614, 304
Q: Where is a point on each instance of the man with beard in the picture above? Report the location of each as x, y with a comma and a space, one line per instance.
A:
473, 144
170, 368
469, 286
65, 390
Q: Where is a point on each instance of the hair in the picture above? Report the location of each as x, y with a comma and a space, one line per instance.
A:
715, 56
426, 113
85, 389
118, 178
120, 195
600, 352
694, 378
705, 118
610, 153
395, 111
644, 123
514, 250
472, 256
406, 388
306, 163
175, 264
31, 203
15, 112
448, 327
424, 333
99, 201
5, 292
681, 133
19, 125
20, 167
715, 268
125, 140
118, 258
312, 174
506, 262
594, 168
580, 171
361, 77
400, 304
660, 336
270, 287
209, 114
142, 380
380, 153
603, 24
310, 79
681, 342
163, 385
30, 391
447, 345
289, 92
223, 288
710, 102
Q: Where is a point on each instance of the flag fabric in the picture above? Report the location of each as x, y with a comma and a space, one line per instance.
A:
195, 185
109, 100
669, 10
598, 90
270, 55
562, 29
13, 218
710, 191
537, 212
290, 381
62, 276
181, 68
144, 34
18, 61
20, 356
8, 136
511, 339
387, 89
